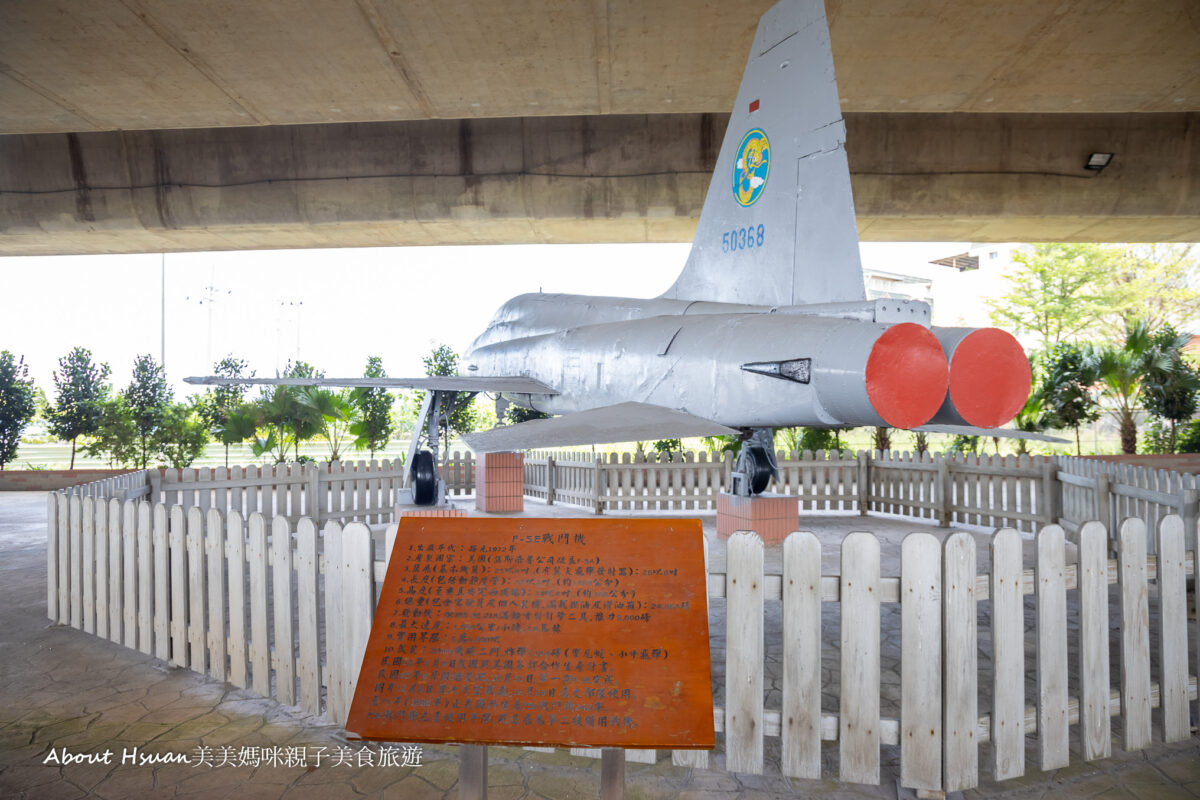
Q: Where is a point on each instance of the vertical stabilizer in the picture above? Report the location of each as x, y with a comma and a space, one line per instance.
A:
777, 227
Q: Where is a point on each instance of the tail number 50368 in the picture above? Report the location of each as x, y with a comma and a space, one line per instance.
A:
743, 238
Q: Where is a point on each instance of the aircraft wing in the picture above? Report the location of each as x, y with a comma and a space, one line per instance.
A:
624, 422
1003, 433
513, 384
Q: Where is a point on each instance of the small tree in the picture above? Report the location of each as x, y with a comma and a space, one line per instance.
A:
116, 435
881, 439
515, 415
288, 421
17, 404
181, 434
221, 403
1067, 377
1171, 390
443, 362
79, 391
333, 412
374, 426
1057, 291
1123, 371
148, 397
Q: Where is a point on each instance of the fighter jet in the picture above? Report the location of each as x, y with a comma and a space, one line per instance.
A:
767, 326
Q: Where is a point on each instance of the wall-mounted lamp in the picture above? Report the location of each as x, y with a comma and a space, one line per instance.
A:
1098, 161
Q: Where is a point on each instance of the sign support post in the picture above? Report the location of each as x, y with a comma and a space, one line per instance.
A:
472, 772
612, 774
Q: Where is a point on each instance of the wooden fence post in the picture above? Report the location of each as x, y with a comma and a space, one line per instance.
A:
1189, 508
598, 485
1052, 493
1103, 507
551, 480
864, 481
945, 507
313, 506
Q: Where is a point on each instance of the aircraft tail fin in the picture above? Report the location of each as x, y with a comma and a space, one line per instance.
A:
777, 226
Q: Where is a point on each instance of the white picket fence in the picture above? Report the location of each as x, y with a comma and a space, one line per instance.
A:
941, 722
248, 601
1104, 491
345, 491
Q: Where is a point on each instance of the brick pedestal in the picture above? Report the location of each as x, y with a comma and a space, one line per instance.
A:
500, 482
771, 516
409, 511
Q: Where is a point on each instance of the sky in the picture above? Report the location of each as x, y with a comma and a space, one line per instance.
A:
332, 308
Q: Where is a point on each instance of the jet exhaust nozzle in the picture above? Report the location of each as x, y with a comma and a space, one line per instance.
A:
990, 377
906, 375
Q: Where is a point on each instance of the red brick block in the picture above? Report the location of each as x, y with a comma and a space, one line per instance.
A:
500, 482
772, 517
431, 512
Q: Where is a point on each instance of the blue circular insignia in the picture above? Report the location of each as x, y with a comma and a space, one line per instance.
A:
751, 167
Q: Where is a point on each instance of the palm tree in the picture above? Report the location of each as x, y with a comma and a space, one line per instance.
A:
336, 414
1123, 371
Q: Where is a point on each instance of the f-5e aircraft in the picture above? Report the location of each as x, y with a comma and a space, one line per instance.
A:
767, 326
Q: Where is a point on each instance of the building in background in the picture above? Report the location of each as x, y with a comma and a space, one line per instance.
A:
956, 286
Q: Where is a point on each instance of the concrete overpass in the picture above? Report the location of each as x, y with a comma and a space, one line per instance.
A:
146, 125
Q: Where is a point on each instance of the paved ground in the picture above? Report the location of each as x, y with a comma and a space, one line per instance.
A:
63, 691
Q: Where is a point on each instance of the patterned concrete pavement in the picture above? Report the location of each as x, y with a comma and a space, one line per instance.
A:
65, 695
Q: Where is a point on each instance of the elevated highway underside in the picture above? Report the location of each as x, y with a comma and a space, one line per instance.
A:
146, 125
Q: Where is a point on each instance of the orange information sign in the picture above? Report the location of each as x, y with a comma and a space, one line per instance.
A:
552, 632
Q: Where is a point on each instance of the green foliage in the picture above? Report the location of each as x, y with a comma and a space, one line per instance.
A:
79, 390
287, 420
1066, 375
374, 426
1032, 418
1189, 438
668, 446
881, 439
116, 436
181, 434
441, 362
1156, 283
1061, 291
1171, 387
964, 444
515, 415
920, 442
17, 404
801, 439
1156, 439
148, 397
723, 444
333, 412
219, 402
1122, 371
1056, 293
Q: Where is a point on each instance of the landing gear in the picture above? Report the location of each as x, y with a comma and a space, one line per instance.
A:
422, 477
425, 487
755, 465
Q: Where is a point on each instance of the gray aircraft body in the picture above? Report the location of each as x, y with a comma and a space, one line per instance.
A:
767, 325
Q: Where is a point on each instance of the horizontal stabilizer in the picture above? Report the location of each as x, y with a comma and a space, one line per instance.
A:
624, 422
513, 384
1002, 433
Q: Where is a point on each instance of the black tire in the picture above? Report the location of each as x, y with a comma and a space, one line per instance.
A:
424, 479
760, 470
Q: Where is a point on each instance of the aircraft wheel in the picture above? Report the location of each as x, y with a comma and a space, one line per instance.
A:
424, 479
759, 469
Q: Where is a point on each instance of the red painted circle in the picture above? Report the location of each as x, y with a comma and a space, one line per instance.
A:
989, 378
906, 375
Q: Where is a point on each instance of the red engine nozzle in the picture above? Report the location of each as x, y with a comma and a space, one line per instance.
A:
906, 375
989, 378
